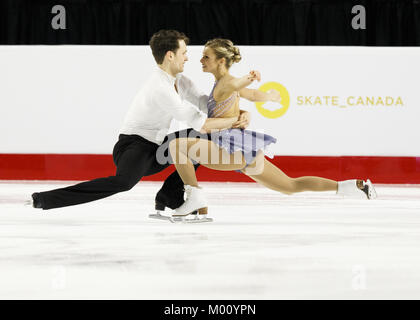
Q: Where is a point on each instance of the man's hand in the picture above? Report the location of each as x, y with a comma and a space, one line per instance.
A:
243, 120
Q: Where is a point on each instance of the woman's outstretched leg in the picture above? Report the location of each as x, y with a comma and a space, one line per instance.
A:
273, 178
264, 172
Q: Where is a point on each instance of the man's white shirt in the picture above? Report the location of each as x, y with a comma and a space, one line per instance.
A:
157, 103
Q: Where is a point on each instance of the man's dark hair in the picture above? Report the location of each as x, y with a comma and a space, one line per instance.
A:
164, 41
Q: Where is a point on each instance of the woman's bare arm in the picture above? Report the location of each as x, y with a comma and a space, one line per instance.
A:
257, 95
236, 84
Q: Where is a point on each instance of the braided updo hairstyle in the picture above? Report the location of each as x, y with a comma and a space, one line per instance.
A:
224, 48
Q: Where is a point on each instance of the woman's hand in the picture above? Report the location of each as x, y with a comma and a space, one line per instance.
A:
274, 95
243, 120
254, 75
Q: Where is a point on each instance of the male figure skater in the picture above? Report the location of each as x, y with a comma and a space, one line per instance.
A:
144, 129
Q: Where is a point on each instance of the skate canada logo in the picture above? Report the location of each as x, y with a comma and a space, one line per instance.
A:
266, 108
271, 110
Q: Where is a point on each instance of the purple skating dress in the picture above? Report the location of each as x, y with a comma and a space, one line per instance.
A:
249, 142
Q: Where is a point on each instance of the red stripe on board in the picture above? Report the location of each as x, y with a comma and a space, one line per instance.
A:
86, 167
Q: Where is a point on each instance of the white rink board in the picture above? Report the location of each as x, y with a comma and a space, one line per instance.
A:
72, 99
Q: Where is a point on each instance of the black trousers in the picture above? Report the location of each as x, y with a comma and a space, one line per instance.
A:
134, 157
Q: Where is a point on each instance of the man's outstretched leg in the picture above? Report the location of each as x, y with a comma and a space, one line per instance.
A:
134, 157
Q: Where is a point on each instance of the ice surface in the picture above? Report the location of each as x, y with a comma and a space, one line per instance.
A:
262, 245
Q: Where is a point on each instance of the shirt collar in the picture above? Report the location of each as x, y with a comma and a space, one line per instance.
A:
167, 76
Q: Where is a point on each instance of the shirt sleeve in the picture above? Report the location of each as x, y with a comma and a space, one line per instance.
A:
170, 102
195, 96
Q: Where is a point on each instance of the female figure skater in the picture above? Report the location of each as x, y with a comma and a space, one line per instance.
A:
238, 149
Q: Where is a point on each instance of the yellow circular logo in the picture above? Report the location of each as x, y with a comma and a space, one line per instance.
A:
285, 100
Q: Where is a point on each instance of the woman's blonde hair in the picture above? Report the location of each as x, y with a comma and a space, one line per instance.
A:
224, 48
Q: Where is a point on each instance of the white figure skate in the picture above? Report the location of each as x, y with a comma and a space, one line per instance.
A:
349, 188
195, 201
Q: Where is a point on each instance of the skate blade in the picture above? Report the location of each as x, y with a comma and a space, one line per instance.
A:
194, 220
159, 216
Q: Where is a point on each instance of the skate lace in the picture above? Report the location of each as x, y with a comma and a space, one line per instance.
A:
188, 191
